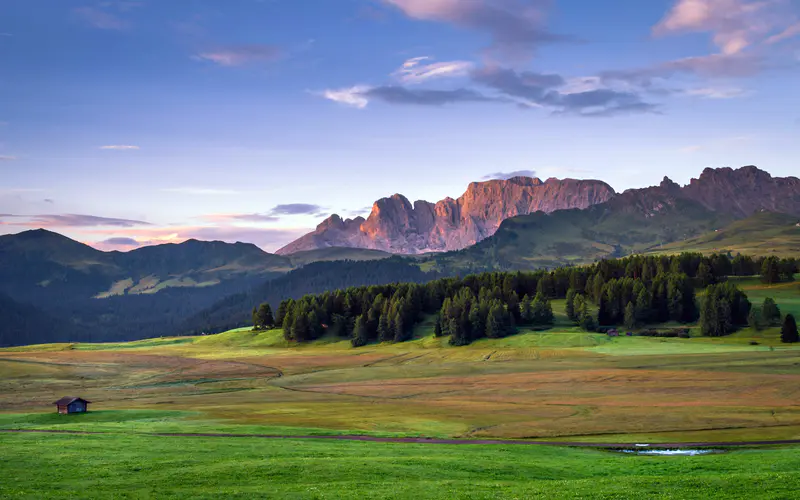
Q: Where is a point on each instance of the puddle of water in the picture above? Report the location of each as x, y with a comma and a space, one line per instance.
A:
677, 452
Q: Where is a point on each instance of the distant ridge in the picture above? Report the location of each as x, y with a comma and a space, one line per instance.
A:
397, 226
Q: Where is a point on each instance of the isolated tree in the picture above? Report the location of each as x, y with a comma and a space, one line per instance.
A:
263, 318
360, 333
255, 318
770, 313
789, 333
754, 319
630, 316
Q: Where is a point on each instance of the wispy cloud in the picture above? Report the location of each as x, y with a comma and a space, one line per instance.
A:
120, 147
510, 175
7, 158
269, 239
508, 86
350, 96
240, 218
100, 19
516, 27
239, 55
200, 191
417, 71
297, 209
73, 220
717, 92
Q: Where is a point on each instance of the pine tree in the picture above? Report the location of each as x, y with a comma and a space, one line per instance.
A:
255, 319
525, 310
264, 318
437, 327
789, 333
541, 311
770, 313
704, 276
385, 334
399, 328
570, 306
360, 333
630, 316
770, 270
495, 324
754, 319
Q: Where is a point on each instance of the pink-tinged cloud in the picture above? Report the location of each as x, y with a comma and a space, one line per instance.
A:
417, 71
240, 55
516, 27
735, 25
267, 238
240, 218
71, 221
100, 19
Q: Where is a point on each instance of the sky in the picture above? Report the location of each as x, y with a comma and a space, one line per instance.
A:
130, 123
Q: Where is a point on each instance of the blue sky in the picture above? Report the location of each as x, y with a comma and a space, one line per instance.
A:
125, 123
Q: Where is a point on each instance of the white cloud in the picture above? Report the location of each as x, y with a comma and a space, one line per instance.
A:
7, 158
352, 96
717, 92
414, 71
120, 147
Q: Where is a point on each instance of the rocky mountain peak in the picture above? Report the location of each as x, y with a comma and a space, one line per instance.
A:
395, 225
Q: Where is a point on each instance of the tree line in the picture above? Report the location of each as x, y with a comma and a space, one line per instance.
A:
629, 292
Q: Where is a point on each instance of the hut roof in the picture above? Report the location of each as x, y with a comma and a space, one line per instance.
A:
68, 400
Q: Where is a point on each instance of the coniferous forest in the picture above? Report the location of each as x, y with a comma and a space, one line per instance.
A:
630, 292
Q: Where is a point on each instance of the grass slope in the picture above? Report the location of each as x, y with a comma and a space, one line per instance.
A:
764, 233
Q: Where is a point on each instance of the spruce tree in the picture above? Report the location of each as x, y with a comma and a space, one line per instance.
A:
399, 328
770, 313
384, 333
570, 307
360, 333
630, 316
789, 333
437, 327
754, 319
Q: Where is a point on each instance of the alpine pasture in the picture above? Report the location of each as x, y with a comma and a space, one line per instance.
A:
562, 384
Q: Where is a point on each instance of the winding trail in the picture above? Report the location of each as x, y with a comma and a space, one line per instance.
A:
411, 440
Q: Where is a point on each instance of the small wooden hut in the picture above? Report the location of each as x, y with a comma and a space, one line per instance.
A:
72, 404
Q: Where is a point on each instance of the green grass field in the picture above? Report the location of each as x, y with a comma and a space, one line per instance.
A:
555, 385
129, 466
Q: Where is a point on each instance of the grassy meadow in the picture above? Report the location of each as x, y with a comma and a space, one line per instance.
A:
559, 385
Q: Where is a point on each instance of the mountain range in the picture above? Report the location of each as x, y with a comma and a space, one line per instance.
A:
397, 226
55, 289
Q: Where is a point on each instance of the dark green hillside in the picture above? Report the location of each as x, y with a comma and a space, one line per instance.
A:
22, 324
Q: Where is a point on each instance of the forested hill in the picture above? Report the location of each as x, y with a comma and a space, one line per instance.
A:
235, 310
630, 292
25, 324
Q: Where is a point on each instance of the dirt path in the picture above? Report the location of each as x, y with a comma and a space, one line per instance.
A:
430, 440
